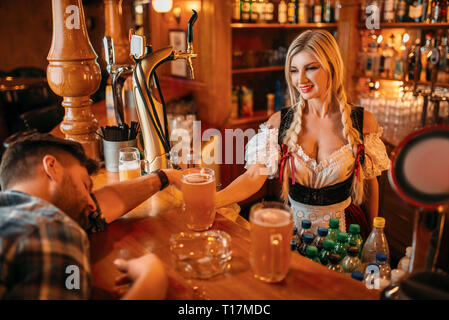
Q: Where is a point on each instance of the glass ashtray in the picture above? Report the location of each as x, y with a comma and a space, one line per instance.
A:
201, 255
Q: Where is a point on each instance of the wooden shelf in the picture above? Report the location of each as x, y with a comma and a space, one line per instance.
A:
283, 26
409, 25
377, 78
257, 69
258, 116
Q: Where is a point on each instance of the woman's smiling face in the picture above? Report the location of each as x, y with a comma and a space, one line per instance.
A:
308, 76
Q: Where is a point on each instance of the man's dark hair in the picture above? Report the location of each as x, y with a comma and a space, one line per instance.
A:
22, 156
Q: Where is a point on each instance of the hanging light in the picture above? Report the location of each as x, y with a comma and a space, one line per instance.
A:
162, 5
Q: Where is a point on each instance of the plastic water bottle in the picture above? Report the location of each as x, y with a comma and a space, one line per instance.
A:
312, 253
307, 241
319, 240
334, 225
351, 262
357, 275
328, 247
342, 244
384, 270
404, 263
392, 291
354, 237
376, 242
306, 227
334, 262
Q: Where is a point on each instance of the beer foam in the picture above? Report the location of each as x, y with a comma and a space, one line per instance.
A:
197, 178
271, 217
129, 165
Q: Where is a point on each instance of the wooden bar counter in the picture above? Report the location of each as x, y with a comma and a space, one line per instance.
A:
148, 228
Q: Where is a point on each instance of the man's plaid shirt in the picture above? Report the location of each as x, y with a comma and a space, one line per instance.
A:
37, 244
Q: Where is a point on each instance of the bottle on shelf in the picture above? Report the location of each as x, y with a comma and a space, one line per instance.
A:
334, 225
318, 11
328, 247
391, 292
292, 11
321, 236
312, 253
306, 227
389, 11
443, 48
245, 11
399, 58
255, 17
337, 10
426, 10
384, 269
334, 262
282, 12
402, 11
328, 15
439, 11
426, 52
376, 242
354, 237
341, 247
351, 262
236, 11
306, 241
303, 12
416, 10
311, 10
404, 263
268, 11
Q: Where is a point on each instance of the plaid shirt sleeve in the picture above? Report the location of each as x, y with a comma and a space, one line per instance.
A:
96, 222
51, 262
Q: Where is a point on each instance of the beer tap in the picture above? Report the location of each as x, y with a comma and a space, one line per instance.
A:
119, 73
151, 111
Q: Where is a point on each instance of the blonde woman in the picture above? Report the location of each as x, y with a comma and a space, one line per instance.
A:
326, 152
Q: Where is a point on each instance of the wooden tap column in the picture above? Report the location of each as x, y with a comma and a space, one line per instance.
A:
115, 28
74, 74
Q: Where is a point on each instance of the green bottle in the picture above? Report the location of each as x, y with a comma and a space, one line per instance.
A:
342, 244
312, 253
328, 246
354, 237
334, 225
351, 262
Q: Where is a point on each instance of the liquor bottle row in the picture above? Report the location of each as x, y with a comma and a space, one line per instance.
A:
258, 58
287, 11
429, 11
381, 57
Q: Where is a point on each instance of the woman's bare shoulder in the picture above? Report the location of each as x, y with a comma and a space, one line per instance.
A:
369, 122
274, 122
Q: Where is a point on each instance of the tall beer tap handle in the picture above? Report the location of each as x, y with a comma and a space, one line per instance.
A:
190, 26
109, 56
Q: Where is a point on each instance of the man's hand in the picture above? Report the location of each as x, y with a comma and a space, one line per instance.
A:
145, 278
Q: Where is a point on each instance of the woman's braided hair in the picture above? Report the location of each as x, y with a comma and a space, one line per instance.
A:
322, 45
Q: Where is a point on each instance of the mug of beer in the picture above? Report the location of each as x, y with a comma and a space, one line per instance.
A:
271, 233
198, 191
129, 163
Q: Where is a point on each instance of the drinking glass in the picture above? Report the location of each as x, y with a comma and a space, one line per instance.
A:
271, 233
198, 191
129, 163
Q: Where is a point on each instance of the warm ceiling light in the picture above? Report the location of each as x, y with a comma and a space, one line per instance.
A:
162, 5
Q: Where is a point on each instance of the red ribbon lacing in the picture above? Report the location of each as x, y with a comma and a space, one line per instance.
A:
285, 156
360, 153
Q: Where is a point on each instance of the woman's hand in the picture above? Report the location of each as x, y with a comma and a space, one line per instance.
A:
174, 177
143, 277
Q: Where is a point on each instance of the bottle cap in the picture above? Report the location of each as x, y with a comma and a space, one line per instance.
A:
334, 258
381, 257
379, 222
408, 252
334, 223
322, 232
357, 275
311, 251
308, 238
354, 228
342, 237
396, 275
328, 244
293, 245
306, 224
353, 251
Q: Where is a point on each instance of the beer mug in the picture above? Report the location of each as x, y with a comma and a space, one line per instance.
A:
198, 191
129, 163
271, 233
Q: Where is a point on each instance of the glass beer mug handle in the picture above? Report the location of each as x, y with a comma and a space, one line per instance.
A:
276, 249
144, 167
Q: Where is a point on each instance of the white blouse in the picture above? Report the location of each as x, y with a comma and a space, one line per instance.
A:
263, 148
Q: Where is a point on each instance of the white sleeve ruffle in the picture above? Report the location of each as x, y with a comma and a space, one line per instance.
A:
263, 148
376, 158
